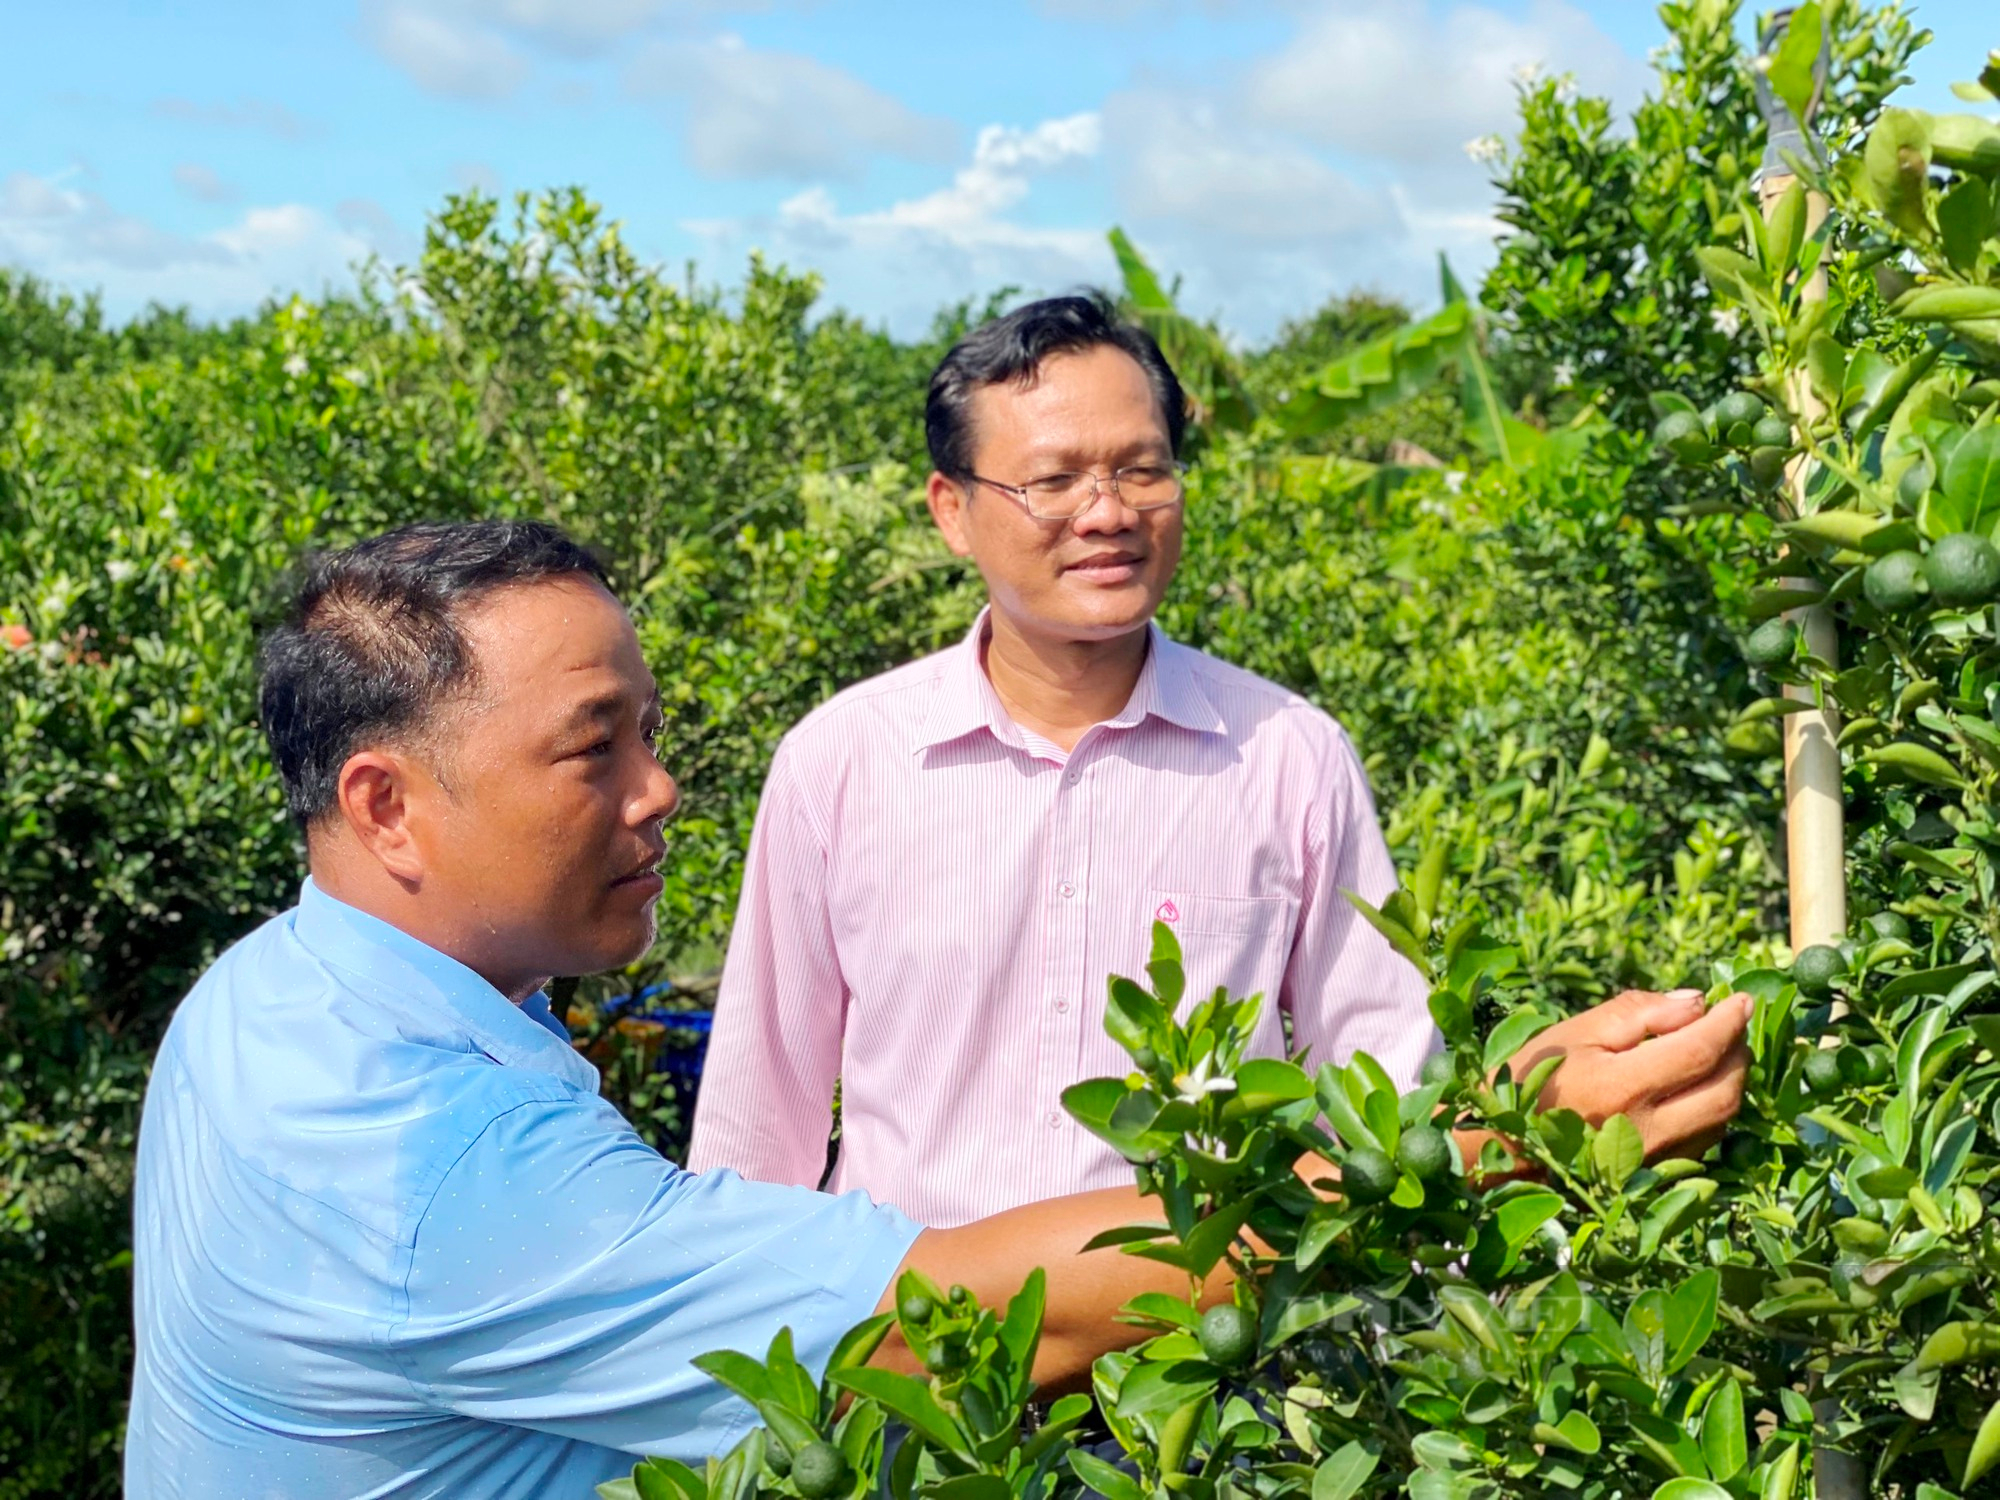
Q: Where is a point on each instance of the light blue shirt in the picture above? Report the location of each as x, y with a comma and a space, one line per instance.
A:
389, 1241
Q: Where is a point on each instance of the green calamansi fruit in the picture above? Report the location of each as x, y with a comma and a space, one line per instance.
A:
1895, 582
1145, 1059
960, 1297
1817, 969
777, 1458
1681, 433
1963, 570
193, 716
1822, 1071
1735, 416
916, 1308
1437, 1068
1771, 644
820, 1471
1877, 1066
1914, 485
1367, 1175
943, 1357
1767, 466
1890, 927
1228, 1335
1424, 1153
1771, 431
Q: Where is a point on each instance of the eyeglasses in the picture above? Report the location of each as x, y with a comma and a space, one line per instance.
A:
1064, 497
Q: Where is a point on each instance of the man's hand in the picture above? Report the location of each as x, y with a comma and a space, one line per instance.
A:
1673, 1068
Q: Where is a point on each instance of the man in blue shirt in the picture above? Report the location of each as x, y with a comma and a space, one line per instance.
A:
389, 1240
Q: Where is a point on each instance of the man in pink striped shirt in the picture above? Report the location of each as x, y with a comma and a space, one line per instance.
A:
950, 859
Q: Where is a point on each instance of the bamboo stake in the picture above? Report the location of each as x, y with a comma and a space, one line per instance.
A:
1814, 836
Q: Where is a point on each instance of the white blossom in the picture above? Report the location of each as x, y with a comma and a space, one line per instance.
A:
1725, 320
1196, 1084
1527, 72
1566, 90
354, 375
1454, 480
1485, 149
120, 569
295, 365
1564, 374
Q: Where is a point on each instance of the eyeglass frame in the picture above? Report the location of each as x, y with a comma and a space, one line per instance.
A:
1018, 493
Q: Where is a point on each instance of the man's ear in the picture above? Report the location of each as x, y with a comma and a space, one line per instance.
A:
947, 499
374, 800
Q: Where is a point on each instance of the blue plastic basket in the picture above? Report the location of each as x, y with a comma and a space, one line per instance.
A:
686, 1046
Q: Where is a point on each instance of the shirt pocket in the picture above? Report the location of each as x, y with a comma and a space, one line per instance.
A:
1241, 943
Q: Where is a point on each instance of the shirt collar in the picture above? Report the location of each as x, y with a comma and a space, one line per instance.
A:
965, 702
386, 963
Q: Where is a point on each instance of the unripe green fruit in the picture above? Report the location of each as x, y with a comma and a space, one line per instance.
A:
1771, 432
1816, 969
1424, 1153
942, 1358
1367, 1175
1889, 927
1822, 1071
776, 1459
916, 1308
1770, 644
1682, 434
1914, 485
1895, 582
1437, 1068
1963, 570
960, 1297
1767, 465
819, 1470
1228, 1335
1737, 409
1145, 1059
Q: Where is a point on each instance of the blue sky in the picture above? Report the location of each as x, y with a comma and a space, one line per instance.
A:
214, 152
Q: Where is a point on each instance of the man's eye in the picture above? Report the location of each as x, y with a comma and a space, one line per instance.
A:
1054, 484
601, 747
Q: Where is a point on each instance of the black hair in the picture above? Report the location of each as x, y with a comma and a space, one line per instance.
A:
1012, 348
370, 648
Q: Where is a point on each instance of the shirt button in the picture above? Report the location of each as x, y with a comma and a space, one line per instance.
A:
1066, 890
1062, 1005
1073, 777
1055, 1119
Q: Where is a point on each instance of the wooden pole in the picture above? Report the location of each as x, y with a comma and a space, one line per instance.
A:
1816, 858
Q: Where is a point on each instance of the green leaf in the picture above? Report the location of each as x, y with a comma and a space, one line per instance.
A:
906, 1398
858, 1345
1341, 1473
1575, 1432
1985, 1446
1963, 215
1733, 276
1787, 231
1266, 1082
1162, 1308
1154, 1389
1134, 1018
1723, 1440
1958, 1344
618, 1489
1687, 1487
739, 1372
1691, 1316
1969, 498
1514, 1033
1400, 937
1918, 762
1618, 1151
1479, 1318
1793, 73
1897, 164
1110, 1482
1021, 1329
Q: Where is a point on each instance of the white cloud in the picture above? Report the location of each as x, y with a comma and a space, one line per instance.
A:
443, 52
1186, 162
77, 240
754, 113
917, 255
1410, 85
201, 183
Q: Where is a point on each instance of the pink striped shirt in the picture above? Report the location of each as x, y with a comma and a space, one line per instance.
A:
935, 897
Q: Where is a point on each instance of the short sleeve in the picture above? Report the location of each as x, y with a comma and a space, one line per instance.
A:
566, 1274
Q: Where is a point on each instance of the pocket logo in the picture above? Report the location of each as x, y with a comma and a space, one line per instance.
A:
1168, 912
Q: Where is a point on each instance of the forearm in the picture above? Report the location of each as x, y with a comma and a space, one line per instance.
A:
991, 1258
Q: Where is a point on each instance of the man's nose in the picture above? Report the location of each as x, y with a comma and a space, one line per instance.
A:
1106, 511
662, 795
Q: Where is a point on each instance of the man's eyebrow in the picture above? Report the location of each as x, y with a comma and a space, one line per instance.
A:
604, 706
